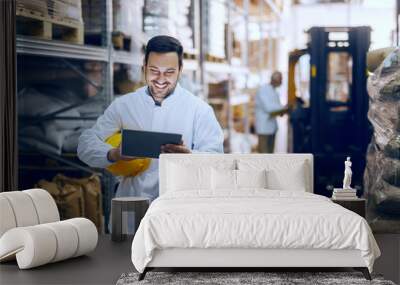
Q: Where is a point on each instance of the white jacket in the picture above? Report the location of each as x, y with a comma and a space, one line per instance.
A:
181, 112
267, 101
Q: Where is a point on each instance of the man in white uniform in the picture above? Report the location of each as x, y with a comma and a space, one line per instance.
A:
161, 106
267, 107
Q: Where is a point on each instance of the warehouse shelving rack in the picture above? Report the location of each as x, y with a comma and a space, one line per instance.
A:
225, 68
108, 56
67, 51
105, 54
228, 68
31, 46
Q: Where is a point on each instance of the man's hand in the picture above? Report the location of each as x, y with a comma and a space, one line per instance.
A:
114, 155
280, 112
175, 148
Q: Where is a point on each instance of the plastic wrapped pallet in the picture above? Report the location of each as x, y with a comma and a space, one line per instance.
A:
94, 72
216, 18
155, 18
170, 18
179, 25
39, 6
48, 135
128, 19
68, 10
56, 136
93, 16
382, 173
35, 103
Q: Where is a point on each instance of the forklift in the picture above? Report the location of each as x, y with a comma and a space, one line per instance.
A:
330, 120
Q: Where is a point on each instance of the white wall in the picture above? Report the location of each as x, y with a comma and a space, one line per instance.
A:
379, 14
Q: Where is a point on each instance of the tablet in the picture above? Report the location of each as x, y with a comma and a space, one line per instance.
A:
145, 143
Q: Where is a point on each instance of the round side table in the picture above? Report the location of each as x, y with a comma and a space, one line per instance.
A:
139, 205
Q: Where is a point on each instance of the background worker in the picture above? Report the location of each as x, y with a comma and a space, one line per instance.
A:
267, 108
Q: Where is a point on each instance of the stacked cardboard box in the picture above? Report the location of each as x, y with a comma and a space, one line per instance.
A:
218, 90
269, 54
221, 113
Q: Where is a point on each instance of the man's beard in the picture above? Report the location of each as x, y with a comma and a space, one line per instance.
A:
152, 93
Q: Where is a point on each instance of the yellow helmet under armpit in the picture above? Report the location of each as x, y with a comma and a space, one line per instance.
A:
126, 168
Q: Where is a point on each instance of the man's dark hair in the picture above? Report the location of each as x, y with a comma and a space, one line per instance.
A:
164, 44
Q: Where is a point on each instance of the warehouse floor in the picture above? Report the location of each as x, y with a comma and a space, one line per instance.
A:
103, 266
110, 259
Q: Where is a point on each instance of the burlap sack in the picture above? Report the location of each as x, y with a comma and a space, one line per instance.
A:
91, 187
69, 198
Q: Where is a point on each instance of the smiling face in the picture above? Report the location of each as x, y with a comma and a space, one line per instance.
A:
162, 72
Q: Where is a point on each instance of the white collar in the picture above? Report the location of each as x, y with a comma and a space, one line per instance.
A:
170, 99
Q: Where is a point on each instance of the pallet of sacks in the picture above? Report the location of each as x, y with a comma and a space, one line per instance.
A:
76, 197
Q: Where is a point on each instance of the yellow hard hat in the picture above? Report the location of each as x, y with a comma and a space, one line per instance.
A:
126, 168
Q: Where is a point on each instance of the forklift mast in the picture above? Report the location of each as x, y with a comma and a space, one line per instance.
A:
334, 124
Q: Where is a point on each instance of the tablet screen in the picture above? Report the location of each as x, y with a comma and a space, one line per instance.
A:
145, 143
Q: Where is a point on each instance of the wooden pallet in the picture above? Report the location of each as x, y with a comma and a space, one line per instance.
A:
121, 41
187, 55
34, 23
212, 58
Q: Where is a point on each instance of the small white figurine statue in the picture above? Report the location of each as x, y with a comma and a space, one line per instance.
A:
347, 174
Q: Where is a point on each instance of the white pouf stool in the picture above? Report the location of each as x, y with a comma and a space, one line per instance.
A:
31, 230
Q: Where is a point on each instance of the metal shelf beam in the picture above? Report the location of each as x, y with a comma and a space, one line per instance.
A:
216, 67
125, 57
33, 46
190, 65
224, 68
239, 99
